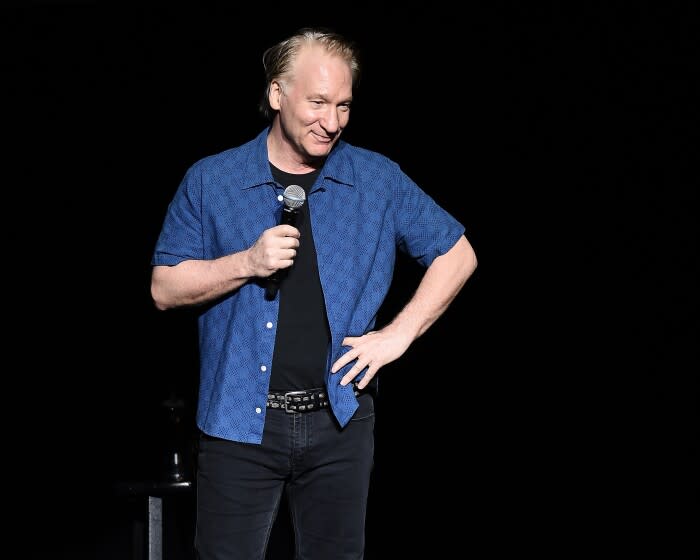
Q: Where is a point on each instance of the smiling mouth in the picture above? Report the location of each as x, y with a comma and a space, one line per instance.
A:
322, 139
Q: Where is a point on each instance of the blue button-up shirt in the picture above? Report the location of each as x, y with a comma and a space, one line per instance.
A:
363, 208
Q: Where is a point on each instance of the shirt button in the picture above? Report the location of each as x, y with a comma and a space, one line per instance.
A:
263, 368
258, 410
269, 324
280, 197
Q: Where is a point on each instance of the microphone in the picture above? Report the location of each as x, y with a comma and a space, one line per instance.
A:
294, 198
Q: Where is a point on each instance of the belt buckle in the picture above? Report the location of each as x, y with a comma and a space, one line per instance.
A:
286, 400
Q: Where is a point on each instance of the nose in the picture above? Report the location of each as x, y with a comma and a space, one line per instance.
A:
330, 120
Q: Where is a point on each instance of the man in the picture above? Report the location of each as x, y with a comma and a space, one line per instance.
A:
288, 368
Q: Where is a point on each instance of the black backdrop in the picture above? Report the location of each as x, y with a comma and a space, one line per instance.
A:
554, 396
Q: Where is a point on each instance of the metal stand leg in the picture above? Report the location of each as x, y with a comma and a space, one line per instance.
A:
155, 528
155, 491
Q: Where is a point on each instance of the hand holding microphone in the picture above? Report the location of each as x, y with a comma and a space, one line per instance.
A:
294, 198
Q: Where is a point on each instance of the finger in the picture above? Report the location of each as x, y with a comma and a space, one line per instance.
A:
353, 373
347, 379
365, 380
288, 231
341, 362
289, 243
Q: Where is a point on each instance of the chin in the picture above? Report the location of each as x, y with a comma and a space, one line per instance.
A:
322, 149
319, 151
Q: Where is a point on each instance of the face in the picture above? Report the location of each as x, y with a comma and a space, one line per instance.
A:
313, 103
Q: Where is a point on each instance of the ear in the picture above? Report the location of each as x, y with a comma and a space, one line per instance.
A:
274, 95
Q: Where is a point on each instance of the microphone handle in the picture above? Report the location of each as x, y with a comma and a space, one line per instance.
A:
289, 216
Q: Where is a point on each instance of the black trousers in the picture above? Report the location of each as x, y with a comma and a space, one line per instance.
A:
324, 470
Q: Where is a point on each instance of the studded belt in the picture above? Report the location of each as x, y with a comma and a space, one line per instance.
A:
300, 401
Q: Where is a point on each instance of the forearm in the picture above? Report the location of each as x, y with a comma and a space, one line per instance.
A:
194, 282
440, 284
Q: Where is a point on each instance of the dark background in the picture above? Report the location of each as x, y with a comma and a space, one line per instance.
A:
551, 411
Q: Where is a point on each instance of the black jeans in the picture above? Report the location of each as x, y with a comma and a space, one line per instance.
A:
324, 470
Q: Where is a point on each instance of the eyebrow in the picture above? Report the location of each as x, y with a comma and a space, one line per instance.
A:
325, 98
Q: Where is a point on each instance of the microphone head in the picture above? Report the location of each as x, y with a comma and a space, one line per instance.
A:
294, 197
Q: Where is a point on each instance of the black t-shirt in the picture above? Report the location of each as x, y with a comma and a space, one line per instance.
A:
303, 338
